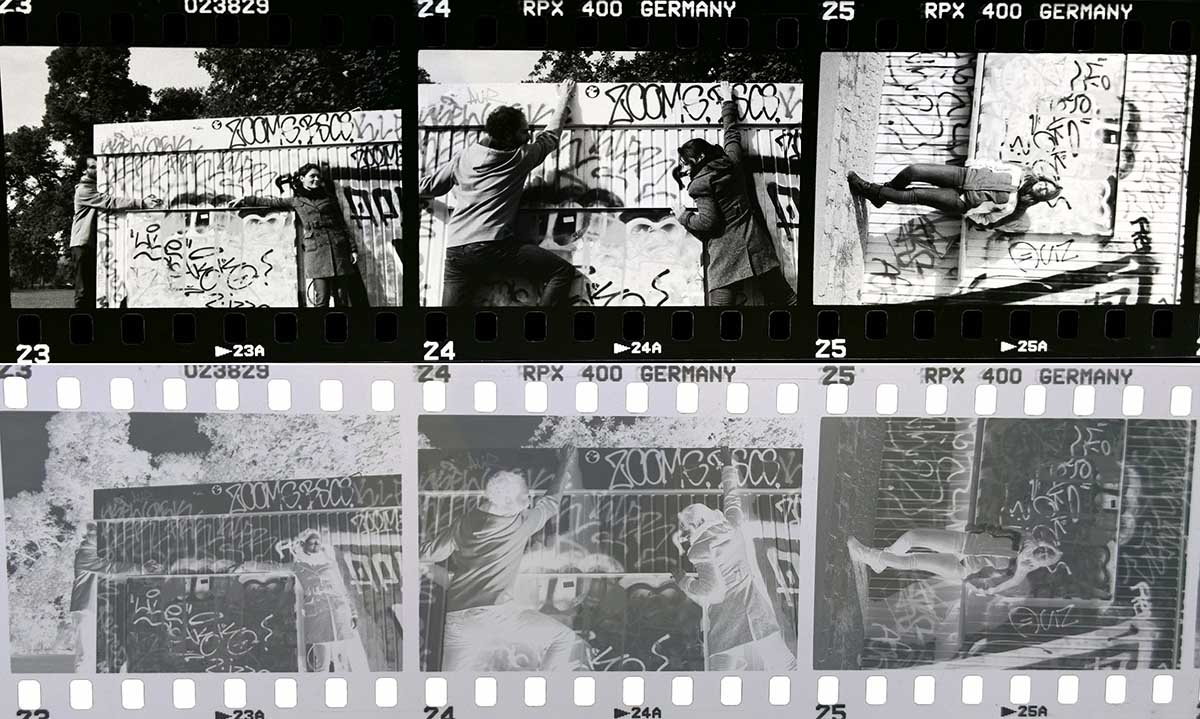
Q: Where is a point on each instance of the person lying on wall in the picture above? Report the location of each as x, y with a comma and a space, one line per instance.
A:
326, 242
489, 177
741, 255
990, 195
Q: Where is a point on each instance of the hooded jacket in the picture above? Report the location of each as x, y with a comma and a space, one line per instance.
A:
739, 246
489, 183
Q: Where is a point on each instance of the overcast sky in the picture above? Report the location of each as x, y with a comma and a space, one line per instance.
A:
480, 66
24, 82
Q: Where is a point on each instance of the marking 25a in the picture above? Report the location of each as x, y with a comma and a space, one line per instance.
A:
226, 371
831, 711
33, 714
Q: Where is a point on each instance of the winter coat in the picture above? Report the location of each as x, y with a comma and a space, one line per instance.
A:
325, 241
739, 246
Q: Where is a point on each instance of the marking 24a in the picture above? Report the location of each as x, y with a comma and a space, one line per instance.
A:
226, 371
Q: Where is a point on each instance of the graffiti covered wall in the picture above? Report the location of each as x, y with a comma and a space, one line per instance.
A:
603, 200
603, 566
1111, 496
196, 252
1071, 122
234, 593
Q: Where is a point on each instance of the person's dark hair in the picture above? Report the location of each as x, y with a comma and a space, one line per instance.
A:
503, 123
699, 153
1026, 196
298, 186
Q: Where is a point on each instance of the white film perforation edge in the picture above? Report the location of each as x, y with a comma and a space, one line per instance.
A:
886, 396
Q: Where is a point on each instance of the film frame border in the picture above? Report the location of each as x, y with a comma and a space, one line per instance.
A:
764, 390
512, 334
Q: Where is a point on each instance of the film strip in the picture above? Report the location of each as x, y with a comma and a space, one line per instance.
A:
854, 540
724, 180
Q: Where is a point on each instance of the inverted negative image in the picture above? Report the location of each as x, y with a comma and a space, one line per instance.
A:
1002, 178
162, 178
566, 544
647, 183
1002, 543
169, 543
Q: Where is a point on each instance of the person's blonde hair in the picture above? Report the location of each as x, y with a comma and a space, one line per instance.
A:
507, 491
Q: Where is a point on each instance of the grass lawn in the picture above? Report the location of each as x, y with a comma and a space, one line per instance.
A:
42, 299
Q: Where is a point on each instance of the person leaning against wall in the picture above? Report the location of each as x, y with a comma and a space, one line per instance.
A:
741, 255
89, 202
326, 243
490, 175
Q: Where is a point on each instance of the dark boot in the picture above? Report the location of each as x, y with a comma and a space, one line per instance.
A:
862, 188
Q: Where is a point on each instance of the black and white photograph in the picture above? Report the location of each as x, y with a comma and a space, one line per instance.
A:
644, 179
1001, 543
1031, 178
219, 177
185, 543
577, 544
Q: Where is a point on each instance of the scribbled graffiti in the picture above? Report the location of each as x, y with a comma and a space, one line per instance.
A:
1081, 119
1104, 493
602, 566
601, 202
196, 251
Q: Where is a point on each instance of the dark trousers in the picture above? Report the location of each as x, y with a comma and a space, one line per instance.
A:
467, 266
945, 195
84, 259
772, 285
344, 290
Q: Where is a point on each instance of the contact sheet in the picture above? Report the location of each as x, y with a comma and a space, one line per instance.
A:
647, 358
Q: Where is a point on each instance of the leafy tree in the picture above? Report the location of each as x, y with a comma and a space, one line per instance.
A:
675, 66
711, 431
39, 204
90, 451
422, 75
178, 103
268, 81
90, 86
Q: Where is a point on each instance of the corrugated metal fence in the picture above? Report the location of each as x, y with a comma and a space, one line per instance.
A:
196, 252
929, 116
602, 201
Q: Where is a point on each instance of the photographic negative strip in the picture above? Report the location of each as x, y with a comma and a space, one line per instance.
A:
1002, 178
996, 543
219, 178
615, 179
202, 543
617, 544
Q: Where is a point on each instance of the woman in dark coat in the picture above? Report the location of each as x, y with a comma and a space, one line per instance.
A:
741, 255
991, 195
327, 246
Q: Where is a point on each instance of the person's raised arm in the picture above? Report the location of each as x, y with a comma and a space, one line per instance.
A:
731, 134
278, 203
546, 141
546, 508
731, 498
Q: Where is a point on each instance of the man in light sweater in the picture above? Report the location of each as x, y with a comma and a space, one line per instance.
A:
490, 175
486, 628
88, 203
